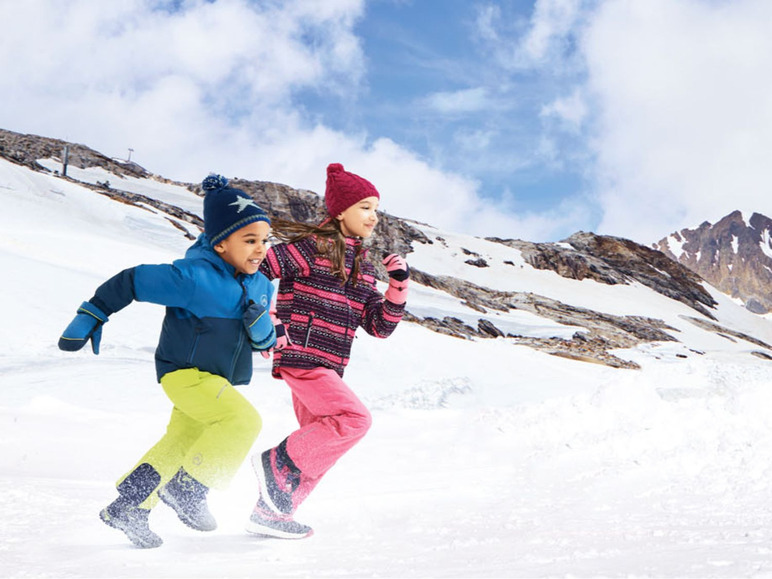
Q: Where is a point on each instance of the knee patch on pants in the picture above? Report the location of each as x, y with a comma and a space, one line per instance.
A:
139, 484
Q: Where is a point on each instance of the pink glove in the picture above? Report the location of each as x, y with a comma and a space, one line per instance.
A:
399, 275
282, 338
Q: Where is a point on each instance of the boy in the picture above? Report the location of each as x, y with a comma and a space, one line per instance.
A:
216, 315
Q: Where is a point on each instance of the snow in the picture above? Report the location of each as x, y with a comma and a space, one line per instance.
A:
486, 459
766, 243
676, 246
166, 192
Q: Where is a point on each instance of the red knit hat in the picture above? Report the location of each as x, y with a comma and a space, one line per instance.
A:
344, 189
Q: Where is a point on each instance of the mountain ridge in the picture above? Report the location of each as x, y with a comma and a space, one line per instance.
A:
734, 255
483, 278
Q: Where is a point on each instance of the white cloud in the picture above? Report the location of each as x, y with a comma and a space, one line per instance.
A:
174, 85
542, 41
209, 86
570, 111
664, 103
684, 132
552, 21
460, 101
674, 111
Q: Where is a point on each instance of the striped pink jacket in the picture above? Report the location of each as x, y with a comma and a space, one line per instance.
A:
320, 312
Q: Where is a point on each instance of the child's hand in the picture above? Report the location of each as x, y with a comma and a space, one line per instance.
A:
259, 327
86, 326
282, 338
396, 267
399, 273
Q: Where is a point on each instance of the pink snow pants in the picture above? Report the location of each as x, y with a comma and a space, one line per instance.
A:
332, 420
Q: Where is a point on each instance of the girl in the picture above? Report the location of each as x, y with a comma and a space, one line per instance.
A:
326, 290
216, 315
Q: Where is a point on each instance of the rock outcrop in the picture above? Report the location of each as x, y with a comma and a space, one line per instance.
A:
734, 255
613, 260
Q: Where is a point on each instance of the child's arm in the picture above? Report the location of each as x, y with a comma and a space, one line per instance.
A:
289, 260
382, 313
162, 284
91, 315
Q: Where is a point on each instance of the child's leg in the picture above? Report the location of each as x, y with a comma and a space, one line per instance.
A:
137, 489
332, 420
163, 460
229, 424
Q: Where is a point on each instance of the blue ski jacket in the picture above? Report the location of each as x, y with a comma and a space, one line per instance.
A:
206, 302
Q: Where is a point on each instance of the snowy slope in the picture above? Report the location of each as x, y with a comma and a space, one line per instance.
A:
486, 459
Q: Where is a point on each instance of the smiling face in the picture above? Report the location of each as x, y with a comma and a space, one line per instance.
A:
360, 219
245, 248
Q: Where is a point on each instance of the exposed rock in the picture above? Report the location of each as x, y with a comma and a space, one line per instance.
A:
603, 332
479, 262
613, 260
732, 255
726, 332
486, 327
28, 149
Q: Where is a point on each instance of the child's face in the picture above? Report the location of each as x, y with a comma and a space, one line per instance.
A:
360, 219
245, 248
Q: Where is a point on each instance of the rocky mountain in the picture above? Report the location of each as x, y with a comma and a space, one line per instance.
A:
486, 279
734, 255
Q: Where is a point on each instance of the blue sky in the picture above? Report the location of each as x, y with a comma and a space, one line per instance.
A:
444, 95
527, 119
438, 87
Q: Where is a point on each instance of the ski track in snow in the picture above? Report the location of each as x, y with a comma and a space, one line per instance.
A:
485, 459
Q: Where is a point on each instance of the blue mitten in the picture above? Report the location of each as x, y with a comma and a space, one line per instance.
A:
86, 326
259, 327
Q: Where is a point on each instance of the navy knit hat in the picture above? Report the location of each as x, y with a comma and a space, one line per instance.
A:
227, 209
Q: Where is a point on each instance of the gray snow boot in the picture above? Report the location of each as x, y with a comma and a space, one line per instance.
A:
187, 497
124, 513
133, 521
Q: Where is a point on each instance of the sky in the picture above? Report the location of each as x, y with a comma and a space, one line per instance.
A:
511, 118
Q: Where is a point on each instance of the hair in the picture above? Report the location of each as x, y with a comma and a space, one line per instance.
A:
330, 242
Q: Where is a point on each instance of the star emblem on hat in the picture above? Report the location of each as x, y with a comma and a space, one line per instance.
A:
242, 203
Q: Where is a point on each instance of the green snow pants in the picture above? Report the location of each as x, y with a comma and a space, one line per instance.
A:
211, 431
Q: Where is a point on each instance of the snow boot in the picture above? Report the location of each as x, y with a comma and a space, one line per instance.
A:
187, 497
278, 477
124, 513
265, 522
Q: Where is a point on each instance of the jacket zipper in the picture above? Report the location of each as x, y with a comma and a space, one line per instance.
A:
311, 316
242, 335
194, 347
235, 358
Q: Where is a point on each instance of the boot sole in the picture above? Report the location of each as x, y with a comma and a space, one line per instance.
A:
169, 501
263, 530
135, 539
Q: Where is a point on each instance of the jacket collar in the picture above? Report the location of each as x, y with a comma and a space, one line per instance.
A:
202, 249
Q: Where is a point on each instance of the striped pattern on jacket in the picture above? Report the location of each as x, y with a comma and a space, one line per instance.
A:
320, 312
